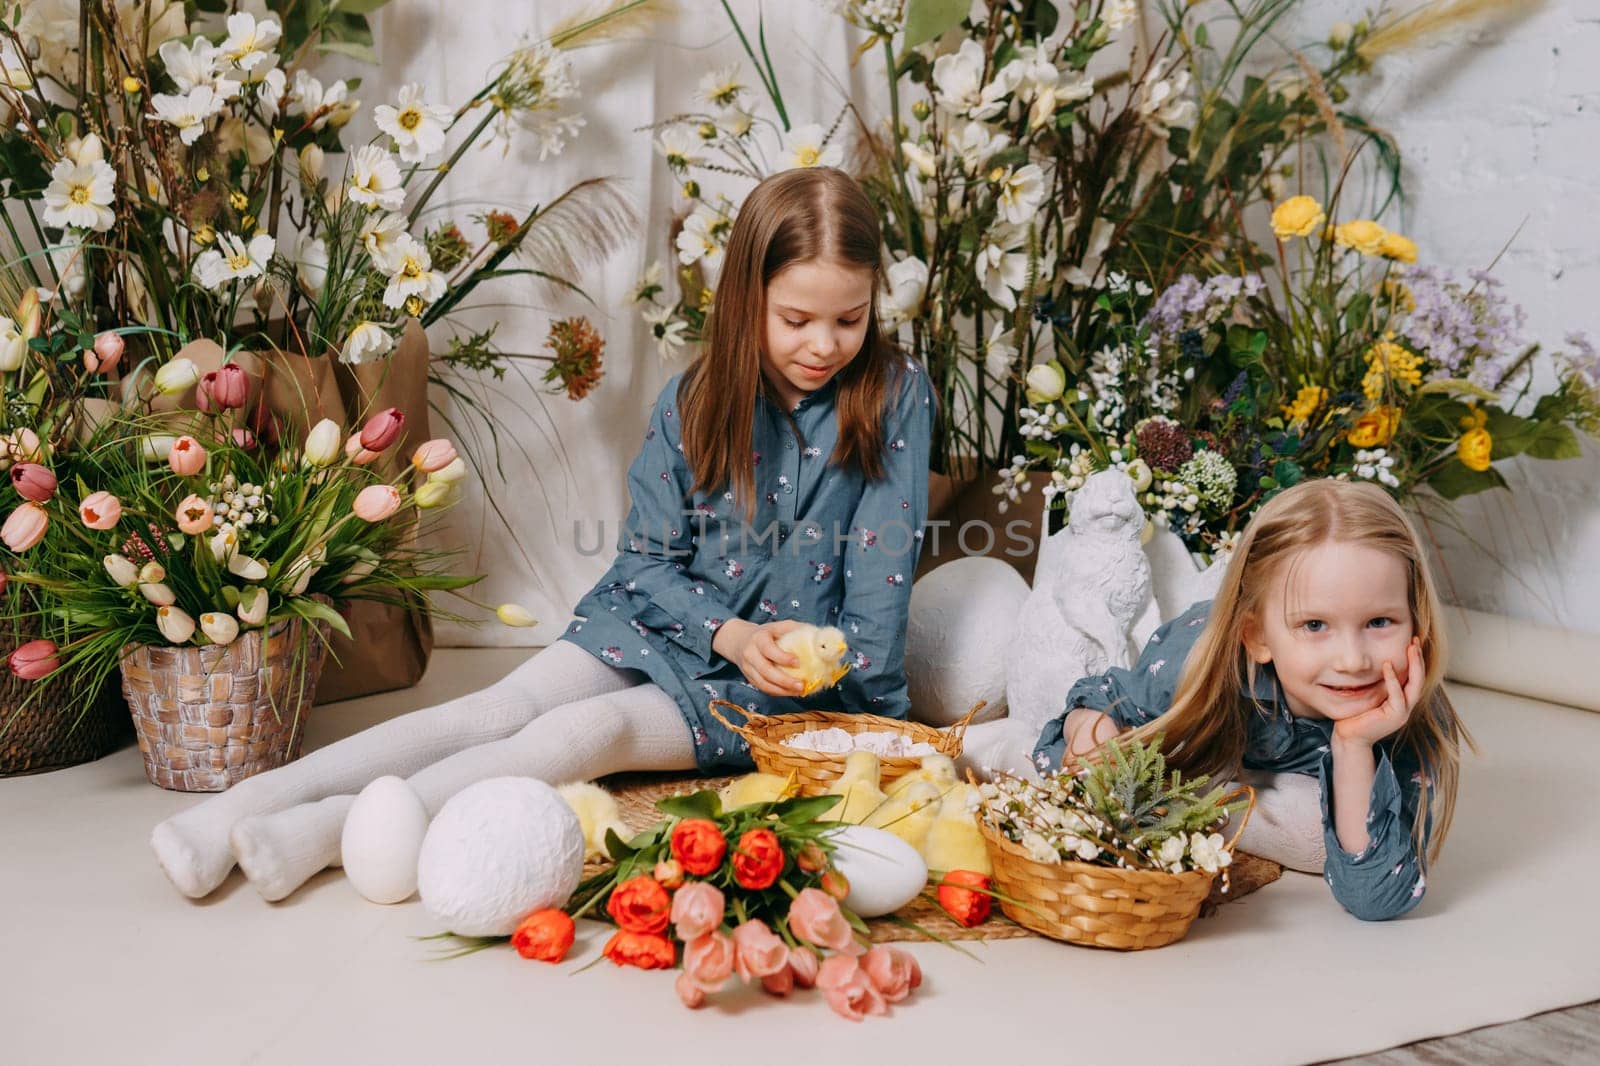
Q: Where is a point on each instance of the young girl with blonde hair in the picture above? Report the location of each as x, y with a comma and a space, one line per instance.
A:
783, 479
1321, 655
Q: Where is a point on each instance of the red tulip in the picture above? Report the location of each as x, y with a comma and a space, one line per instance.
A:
33, 481
227, 387
382, 429
35, 659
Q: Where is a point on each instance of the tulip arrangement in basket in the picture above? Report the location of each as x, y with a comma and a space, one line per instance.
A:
749, 892
202, 539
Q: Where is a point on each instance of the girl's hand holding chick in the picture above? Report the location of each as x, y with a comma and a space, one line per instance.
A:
754, 650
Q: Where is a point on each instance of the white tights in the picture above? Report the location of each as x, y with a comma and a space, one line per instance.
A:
1285, 826
563, 715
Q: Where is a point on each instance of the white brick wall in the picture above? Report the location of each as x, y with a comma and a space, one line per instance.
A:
1499, 125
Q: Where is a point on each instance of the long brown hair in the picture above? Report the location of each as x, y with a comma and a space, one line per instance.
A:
1204, 730
811, 213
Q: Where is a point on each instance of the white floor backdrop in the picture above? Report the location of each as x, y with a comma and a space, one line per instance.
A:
1498, 125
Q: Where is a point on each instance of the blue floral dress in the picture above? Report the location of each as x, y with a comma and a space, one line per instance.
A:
825, 546
1386, 879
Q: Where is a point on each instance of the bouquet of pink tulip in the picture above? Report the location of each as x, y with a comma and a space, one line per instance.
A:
161, 537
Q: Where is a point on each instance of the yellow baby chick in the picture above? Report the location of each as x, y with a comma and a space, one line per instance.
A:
858, 784
821, 653
939, 770
597, 812
755, 788
910, 814
953, 842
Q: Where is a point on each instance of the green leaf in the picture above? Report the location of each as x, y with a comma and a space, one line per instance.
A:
927, 19
1554, 441
1455, 480
616, 847
1286, 473
356, 7
703, 804
309, 608
1511, 433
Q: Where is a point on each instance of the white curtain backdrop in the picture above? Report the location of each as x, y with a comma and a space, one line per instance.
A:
1498, 125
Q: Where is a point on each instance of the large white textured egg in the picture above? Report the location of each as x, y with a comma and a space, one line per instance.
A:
885, 873
962, 617
382, 838
497, 851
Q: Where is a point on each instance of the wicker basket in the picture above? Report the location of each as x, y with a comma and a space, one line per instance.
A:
1100, 906
58, 728
210, 717
814, 770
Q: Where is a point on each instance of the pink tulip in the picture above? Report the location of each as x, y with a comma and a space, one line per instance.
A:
33, 481
186, 456
804, 964
848, 989
356, 453
814, 916
894, 973
708, 959
194, 515
100, 510
382, 429
24, 527
693, 995
697, 909
35, 659
377, 502
244, 438
759, 953
433, 455
227, 388
108, 348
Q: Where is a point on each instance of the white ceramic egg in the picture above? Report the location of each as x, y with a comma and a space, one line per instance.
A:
497, 851
885, 873
382, 838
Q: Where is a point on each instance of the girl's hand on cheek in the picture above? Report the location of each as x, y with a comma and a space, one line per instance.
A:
1400, 699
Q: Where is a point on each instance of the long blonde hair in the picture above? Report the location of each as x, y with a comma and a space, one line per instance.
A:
1205, 728
808, 213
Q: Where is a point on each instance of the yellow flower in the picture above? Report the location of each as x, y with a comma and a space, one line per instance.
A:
1374, 428
1401, 249
1298, 216
1474, 447
238, 201
1390, 366
1305, 404
1363, 235
1475, 418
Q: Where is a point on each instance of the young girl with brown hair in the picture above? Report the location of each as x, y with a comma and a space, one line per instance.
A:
1321, 655
783, 479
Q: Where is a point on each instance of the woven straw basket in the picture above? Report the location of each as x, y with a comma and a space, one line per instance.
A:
210, 717
814, 770
57, 728
1100, 906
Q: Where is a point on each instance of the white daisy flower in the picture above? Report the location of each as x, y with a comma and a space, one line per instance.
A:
80, 194
959, 80
233, 260
375, 179
189, 113
677, 146
194, 65
721, 87
379, 232
368, 341
648, 284
702, 238
667, 329
803, 147
416, 127
249, 43
999, 354
976, 143
1161, 102
322, 106
411, 274
734, 121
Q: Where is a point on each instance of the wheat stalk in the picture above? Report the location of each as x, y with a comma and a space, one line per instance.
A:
605, 22
586, 223
1412, 28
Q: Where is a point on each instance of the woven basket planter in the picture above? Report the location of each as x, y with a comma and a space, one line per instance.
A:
58, 728
1098, 906
814, 771
209, 717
